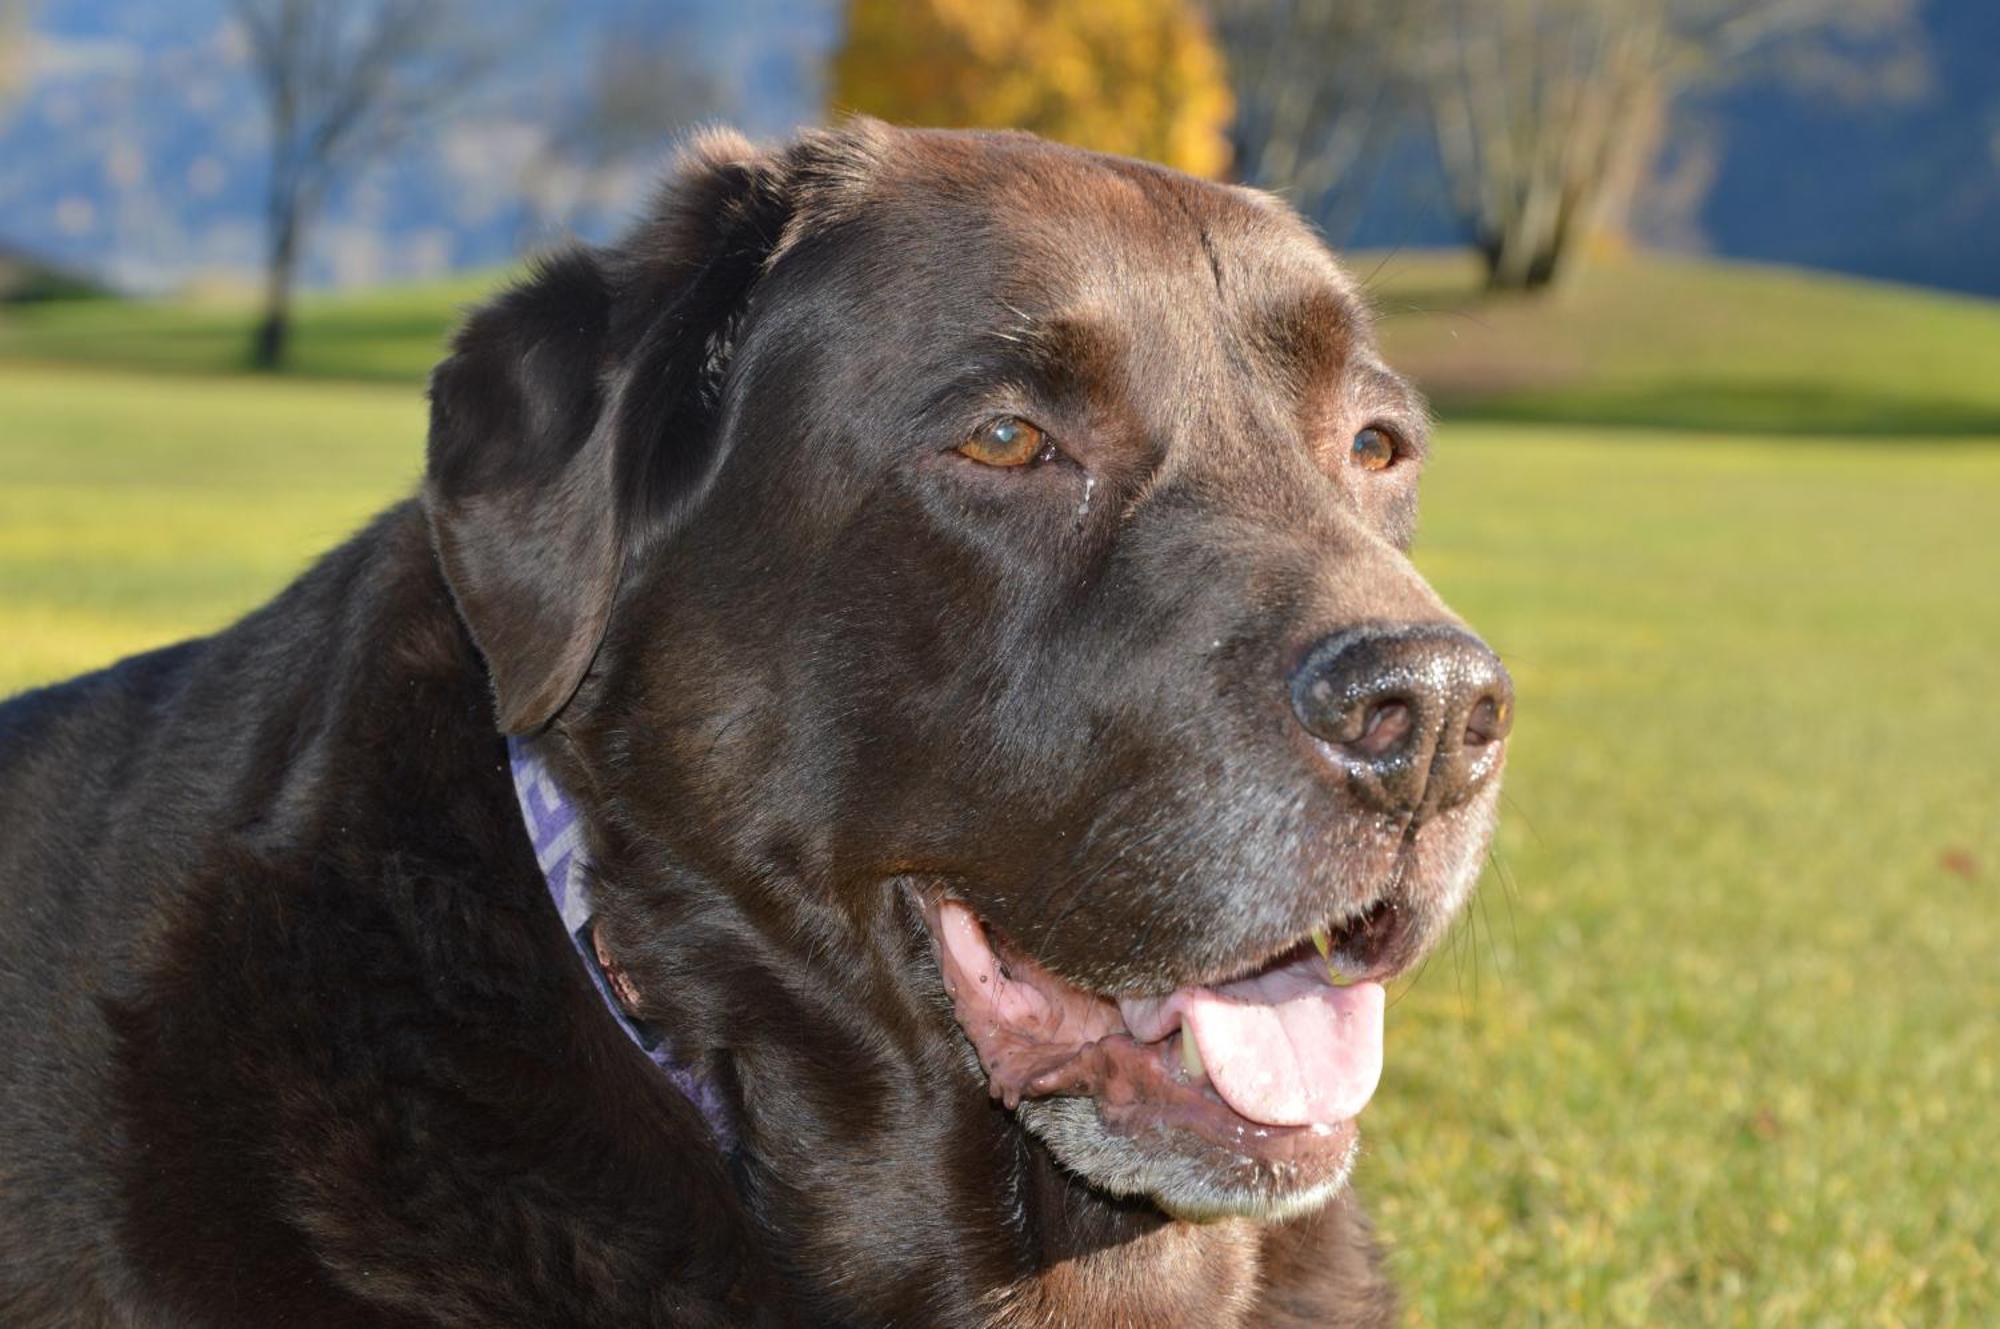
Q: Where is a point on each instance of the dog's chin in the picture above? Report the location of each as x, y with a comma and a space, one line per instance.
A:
1186, 1176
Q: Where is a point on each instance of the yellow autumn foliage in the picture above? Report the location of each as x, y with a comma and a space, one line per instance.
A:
1143, 78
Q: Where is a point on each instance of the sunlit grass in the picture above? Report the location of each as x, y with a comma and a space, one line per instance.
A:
1649, 340
1722, 1043
138, 509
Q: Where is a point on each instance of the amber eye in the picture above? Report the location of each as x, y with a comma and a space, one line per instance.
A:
1008, 441
1374, 450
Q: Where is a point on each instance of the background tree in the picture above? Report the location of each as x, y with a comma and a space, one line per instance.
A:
13, 51
342, 80
643, 89
1314, 101
1545, 115
1139, 77
1539, 108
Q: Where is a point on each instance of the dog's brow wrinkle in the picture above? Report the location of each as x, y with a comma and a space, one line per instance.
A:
1214, 259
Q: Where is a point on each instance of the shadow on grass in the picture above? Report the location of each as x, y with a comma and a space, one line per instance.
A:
398, 343
371, 344
1697, 406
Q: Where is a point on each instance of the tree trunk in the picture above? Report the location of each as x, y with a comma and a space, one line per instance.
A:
1631, 156
1527, 249
1521, 262
274, 329
1524, 263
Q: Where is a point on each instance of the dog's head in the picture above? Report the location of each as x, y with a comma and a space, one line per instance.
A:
1017, 536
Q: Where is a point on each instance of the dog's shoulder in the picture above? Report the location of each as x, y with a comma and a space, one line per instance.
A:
302, 1028
61, 742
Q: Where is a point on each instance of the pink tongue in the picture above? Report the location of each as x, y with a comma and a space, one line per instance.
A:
1284, 1048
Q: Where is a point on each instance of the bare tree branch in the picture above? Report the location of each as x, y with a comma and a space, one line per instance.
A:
1537, 109
643, 89
342, 81
14, 35
1315, 97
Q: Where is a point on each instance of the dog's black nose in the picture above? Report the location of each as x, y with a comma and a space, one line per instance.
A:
1413, 714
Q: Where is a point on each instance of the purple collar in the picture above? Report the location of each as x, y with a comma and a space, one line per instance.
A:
556, 831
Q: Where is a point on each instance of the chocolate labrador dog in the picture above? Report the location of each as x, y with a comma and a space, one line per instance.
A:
878, 784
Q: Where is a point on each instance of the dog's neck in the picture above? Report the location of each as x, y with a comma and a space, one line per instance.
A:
1077, 1257
555, 829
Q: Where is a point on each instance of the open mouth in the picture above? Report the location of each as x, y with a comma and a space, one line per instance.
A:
1272, 1064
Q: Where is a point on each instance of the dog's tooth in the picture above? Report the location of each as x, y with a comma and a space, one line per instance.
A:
1323, 940
1191, 1056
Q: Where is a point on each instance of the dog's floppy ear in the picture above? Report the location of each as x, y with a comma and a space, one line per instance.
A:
573, 418
519, 486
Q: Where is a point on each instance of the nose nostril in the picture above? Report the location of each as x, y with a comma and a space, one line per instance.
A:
1387, 725
1488, 723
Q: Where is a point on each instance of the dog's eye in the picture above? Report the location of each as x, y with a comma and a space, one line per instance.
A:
1008, 441
1374, 449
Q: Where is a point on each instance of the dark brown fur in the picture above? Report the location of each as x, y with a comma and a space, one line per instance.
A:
291, 1032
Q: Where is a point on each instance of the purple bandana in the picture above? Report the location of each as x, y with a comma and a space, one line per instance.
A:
556, 831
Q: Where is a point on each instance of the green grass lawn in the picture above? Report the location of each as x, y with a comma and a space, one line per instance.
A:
136, 509
1727, 1048
1667, 342
391, 334
1719, 1042
1645, 340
